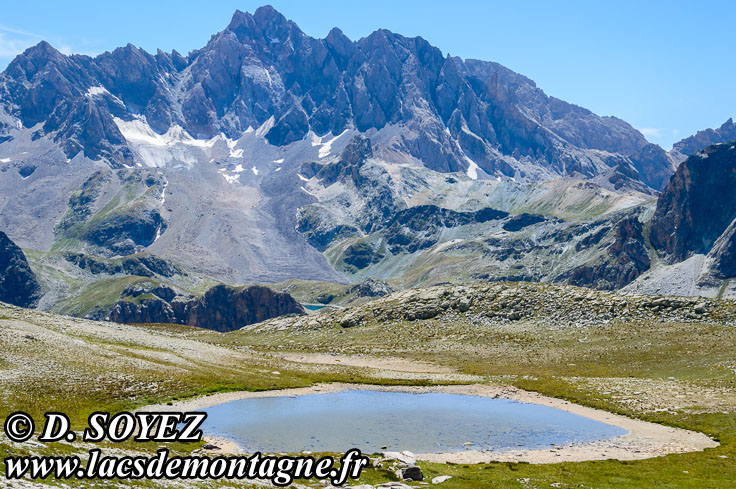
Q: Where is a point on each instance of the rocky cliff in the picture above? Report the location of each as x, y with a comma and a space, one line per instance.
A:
18, 283
624, 260
222, 308
698, 204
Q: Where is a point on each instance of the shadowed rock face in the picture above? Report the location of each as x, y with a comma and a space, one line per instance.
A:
622, 263
724, 254
653, 165
521, 221
222, 308
347, 168
18, 284
142, 265
419, 227
698, 204
124, 232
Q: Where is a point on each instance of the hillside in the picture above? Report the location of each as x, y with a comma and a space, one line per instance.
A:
667, 360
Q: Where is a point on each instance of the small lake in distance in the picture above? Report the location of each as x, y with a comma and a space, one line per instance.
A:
422, 423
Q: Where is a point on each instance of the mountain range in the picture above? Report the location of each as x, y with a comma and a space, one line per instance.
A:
269, 155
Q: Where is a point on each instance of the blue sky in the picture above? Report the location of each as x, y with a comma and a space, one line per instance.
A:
666, 67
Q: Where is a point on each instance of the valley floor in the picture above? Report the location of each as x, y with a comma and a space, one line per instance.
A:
676, 374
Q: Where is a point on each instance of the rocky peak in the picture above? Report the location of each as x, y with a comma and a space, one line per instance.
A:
653, 164
357, 151
449, 111
705, 138
341, 47
267, 15
34, 59
266, 26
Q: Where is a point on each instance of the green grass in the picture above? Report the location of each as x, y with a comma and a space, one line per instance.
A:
91, 370
575, 364
102, 293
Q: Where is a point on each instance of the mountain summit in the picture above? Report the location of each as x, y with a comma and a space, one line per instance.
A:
263, 72
270, 155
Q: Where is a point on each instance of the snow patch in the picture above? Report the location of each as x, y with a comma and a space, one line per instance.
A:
302, 177
138, 131
158, 234
279, 161
310, 193
265, 127
4, 160
314, 139
473, 168
156, 150
278, 169
445, 245
239, 169
327, 147
163, 193
231, 178
95, 91
231, 143
255, 170
99, 91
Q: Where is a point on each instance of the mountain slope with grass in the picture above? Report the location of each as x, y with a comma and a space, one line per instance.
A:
650, 360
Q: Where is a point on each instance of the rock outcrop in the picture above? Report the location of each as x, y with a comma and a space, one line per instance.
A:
222, 308
347, 167
371, 288
698, 204
550, 305
142, 265
18, 283
419, 227
622, 263
653, 165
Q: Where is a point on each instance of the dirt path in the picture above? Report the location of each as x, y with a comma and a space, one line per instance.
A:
380, 367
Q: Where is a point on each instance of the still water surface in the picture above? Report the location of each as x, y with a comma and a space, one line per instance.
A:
422, 423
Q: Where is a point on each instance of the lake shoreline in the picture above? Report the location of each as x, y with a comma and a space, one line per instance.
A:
643, 440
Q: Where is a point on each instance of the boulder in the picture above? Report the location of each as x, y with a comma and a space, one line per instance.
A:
412, 473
